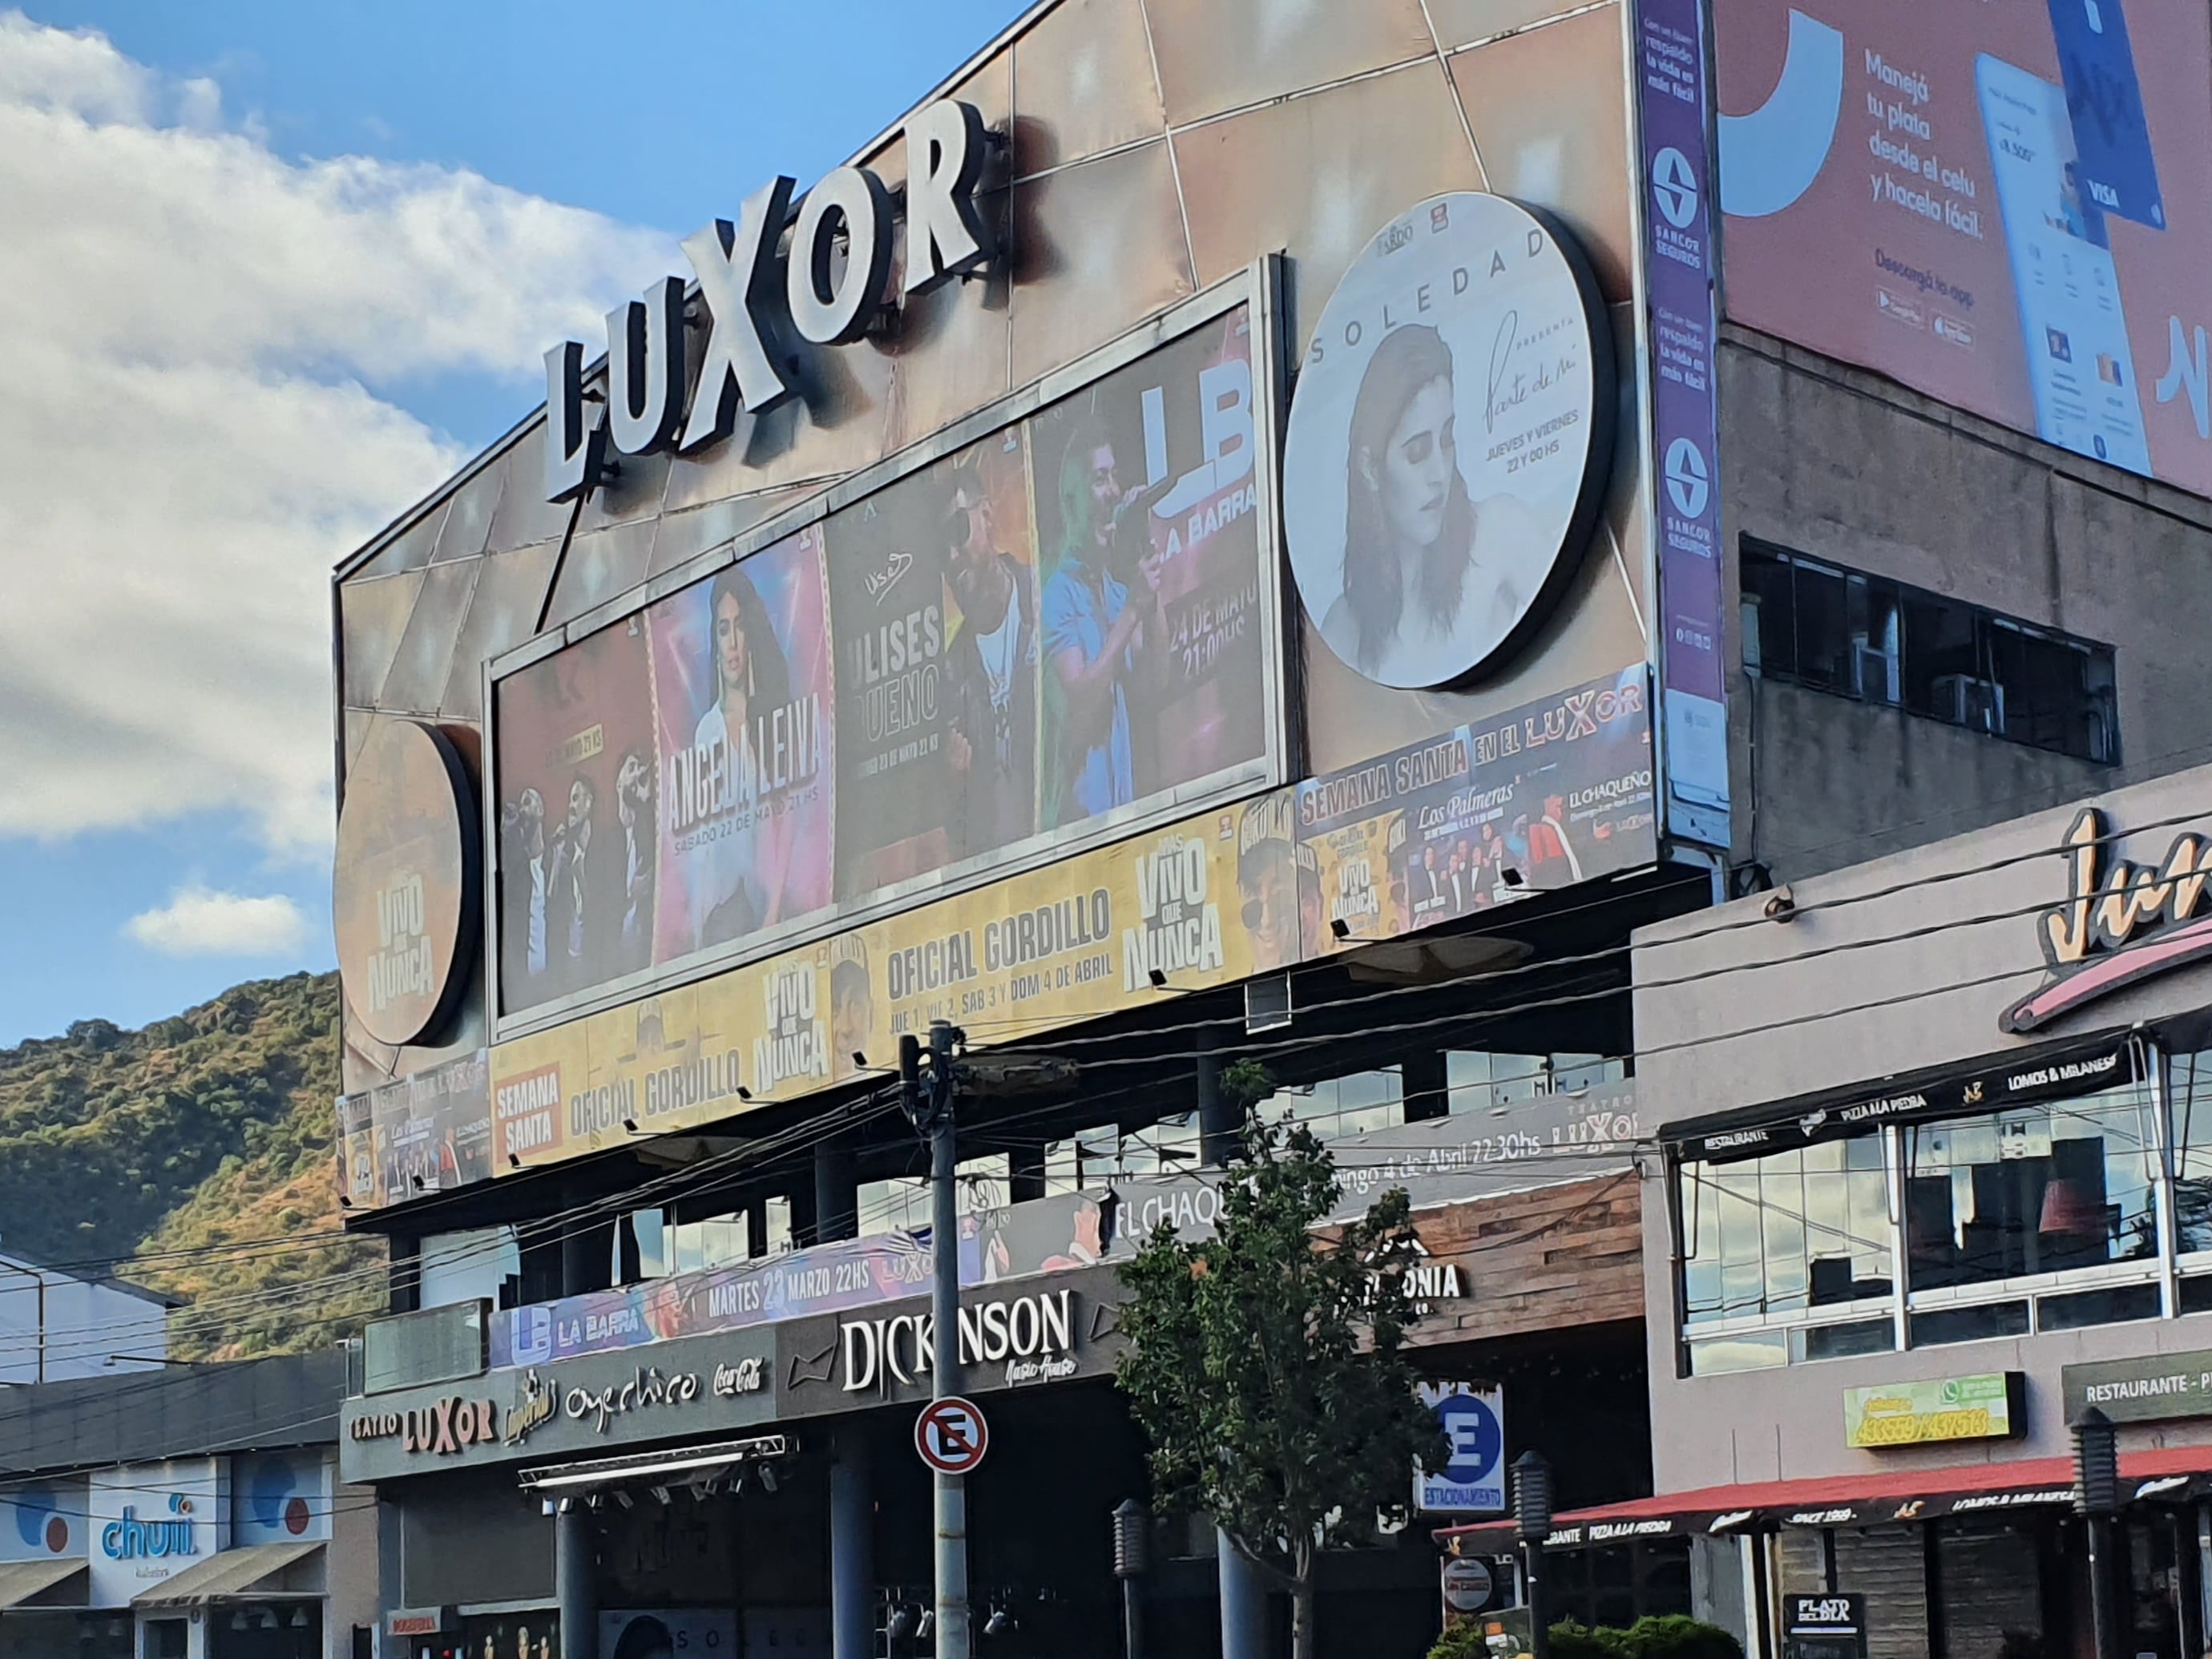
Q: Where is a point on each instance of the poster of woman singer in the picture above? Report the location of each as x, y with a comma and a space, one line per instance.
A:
742, 712
1449, 435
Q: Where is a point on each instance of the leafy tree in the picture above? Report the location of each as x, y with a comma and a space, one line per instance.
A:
1265, 1364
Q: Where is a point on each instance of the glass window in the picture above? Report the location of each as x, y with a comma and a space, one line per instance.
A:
1880, 641
461, 1267
2035, 1190
1476, 1081
1747, 1351
903, 1203
1800, 1229
1339, 1106
2188, 1095
1768, 597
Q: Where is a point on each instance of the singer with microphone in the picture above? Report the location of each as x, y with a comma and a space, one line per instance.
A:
1102, 617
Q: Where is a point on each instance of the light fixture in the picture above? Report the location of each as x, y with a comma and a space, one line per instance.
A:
702, 1491
902, 1623
625, 1498
1339, 926
999, 1623
1158, 979
659, 1494
1512, 877
860, 1060
630, 1124
925, 1624
237, 1619
562, 1505
344, 1203
515, 1160
743, 1093
299, 1619
768, 1479
417, 1180
1782, 907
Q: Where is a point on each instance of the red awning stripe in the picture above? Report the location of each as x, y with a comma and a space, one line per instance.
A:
1877, 1498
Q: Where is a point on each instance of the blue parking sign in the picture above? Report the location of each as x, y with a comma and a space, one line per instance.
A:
1474, 1422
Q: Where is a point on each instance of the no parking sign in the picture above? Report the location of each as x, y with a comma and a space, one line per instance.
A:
1474, 1422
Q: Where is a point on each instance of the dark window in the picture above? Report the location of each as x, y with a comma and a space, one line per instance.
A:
1880, 642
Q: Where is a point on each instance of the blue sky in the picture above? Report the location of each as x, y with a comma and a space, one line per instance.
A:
261, 211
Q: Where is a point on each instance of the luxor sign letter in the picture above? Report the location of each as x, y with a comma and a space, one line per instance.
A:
829, 291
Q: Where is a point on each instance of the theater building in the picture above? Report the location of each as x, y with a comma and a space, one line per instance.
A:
1221, 535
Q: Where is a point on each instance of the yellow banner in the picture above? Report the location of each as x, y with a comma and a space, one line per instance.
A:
1207, 901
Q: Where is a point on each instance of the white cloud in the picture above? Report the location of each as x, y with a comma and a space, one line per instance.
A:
198, 922
187, 321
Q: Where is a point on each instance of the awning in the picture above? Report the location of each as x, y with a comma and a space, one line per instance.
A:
1873, 1498
233, 1572
21, 1580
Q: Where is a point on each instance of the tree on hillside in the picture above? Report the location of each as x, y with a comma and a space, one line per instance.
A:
1265, 1364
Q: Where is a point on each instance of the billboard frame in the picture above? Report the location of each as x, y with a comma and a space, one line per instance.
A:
1259, 288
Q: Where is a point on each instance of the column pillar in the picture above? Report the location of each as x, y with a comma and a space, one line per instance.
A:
852, 1548
573, 1586
837, 1193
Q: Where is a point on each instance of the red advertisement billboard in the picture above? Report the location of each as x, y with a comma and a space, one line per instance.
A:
1991, 202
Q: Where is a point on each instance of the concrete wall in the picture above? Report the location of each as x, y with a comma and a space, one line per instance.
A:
181, 1411
1889, 967
1840, 464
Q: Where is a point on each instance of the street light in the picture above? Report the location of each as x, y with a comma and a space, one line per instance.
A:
1532, 1521
2097, 1496
1129, 1561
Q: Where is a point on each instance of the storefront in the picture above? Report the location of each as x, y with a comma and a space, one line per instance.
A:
197, 1558
732, 1449
1887, 1295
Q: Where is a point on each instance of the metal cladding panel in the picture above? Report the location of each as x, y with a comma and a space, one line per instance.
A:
1319, 175
596, 567
416, 683
410, 550
1550, 117
1462, 22
1084, 82
467, 531
1100, 247
504, 607
1219, 55
374, 619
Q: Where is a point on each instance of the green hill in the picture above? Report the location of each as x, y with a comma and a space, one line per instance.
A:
194, 1157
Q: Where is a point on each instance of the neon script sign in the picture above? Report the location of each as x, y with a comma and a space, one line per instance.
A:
2118, 924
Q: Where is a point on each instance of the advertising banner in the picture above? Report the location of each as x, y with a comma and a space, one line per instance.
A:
1544, 797
428, 1132
1449, 437
822, 1279
1982, 201
1202, 901
149, 1521
1067, 624
1680, 269
1934, 1408
743, 751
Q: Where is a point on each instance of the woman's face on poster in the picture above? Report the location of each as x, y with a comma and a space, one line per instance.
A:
730, 640
1415, 479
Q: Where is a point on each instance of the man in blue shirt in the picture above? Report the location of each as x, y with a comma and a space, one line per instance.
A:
1094, 636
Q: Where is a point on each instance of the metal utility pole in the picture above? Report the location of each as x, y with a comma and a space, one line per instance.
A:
931, 1104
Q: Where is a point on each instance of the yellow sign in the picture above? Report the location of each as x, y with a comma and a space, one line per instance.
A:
1207, 901
1977, 1408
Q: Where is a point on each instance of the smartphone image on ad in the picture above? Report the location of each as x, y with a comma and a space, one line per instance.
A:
2111, 137
2072, 328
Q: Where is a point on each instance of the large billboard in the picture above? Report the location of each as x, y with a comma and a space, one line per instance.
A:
1062, 630
1532, 800
1990, 203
